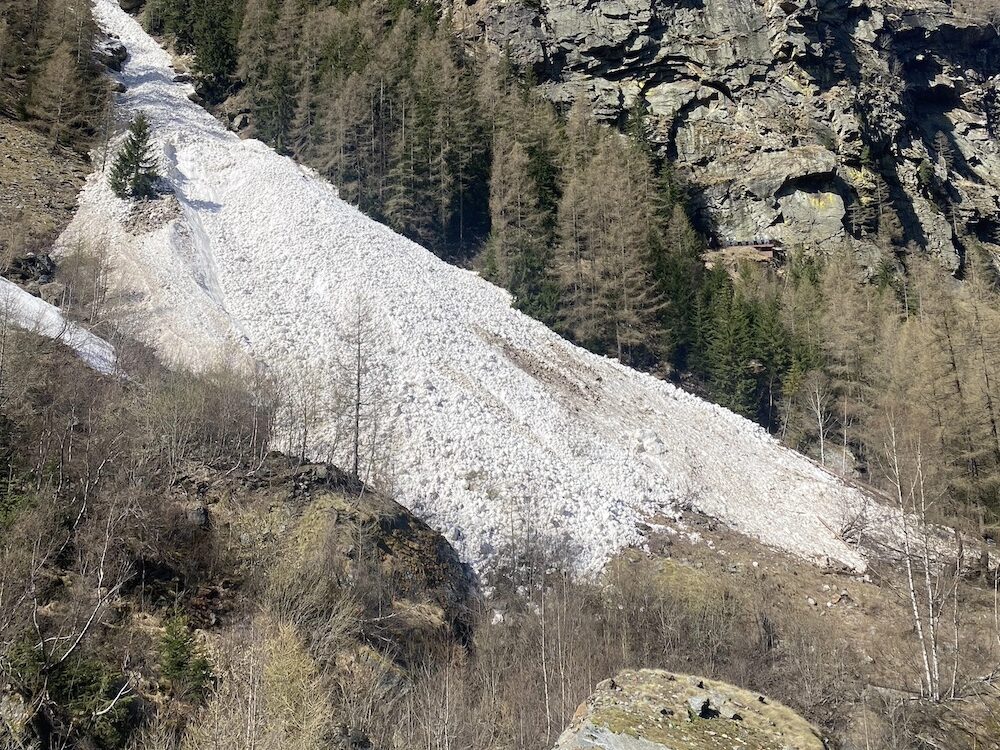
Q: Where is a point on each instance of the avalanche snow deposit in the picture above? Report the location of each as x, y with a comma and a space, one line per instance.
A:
486, 421
30, 313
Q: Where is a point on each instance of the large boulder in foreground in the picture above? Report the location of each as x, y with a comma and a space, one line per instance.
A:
656, 710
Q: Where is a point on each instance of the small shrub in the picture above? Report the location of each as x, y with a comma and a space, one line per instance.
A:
925, 174
182, 661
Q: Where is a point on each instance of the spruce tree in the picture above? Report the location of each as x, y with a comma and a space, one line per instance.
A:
679, 271
214, 38
730, 351
278, 108
133, 174
182, 661
772, 351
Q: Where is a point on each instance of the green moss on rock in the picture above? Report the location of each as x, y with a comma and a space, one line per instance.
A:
646, 709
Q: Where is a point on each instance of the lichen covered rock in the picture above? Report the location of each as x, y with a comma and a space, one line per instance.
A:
657, 710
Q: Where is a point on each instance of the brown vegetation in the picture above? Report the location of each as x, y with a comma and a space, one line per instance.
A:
52, 105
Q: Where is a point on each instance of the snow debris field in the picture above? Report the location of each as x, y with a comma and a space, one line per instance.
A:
25, 311
492, 422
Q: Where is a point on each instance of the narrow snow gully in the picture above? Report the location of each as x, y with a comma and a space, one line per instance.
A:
489, 420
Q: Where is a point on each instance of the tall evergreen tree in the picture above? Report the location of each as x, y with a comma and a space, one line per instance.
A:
730, 351
133, 174
215, 38
276, 111
678, 271
771, 350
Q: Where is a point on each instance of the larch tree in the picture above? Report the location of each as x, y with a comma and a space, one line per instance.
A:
576, 269
517, 246
402, 195
605, 258
55, 91
622, 213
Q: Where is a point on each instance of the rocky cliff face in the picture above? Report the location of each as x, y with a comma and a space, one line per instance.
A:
807, 121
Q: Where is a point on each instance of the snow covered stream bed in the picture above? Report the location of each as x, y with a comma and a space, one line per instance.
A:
30, 313
490, 420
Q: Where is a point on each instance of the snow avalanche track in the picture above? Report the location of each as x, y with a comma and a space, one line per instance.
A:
495, 420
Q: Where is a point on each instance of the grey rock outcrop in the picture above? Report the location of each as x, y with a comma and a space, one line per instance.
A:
792, 118
111, 53
652, 709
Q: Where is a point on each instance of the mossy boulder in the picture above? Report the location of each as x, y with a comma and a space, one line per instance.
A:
653, 709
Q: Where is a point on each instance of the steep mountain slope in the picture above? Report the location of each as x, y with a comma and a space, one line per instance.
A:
807, 121
483, 421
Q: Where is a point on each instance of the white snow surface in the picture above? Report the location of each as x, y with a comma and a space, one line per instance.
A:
30, 313
496, 421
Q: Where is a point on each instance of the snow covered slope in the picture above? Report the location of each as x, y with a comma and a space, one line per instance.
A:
496, 422
21, 309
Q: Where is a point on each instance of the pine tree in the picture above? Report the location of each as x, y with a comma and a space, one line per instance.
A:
133, 174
